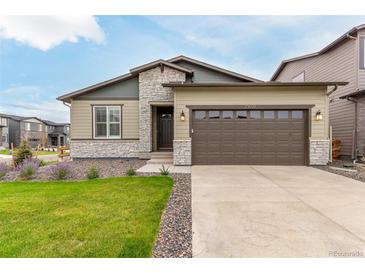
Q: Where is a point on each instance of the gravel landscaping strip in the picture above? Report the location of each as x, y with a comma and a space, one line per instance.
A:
175, 236
358, 175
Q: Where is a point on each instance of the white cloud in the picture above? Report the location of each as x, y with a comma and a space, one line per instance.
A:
46, 32
49, 110
32, 92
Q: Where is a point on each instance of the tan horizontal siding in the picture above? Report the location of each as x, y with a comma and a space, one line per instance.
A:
81, 118
252, 96
339, 64
361, 72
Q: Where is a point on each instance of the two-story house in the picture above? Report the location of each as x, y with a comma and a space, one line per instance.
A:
343, 60
58, 133
35, 131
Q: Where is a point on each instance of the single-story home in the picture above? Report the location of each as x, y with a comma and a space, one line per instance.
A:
201, 114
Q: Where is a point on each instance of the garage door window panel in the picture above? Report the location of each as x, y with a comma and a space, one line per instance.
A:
255, 114
297, 114
214, 114
200, 115
283, 114
269, 114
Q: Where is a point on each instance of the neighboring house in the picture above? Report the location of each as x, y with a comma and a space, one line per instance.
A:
342, 60
58, 133
202, 114
32, 129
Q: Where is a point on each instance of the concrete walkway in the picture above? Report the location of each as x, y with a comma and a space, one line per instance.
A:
270, 211
172, 169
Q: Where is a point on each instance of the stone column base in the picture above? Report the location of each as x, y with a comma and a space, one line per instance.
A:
182, 152
319, 152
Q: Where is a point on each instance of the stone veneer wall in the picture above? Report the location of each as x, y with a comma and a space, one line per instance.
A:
182, 152
104, 149
151, 89
319, 152
361, 127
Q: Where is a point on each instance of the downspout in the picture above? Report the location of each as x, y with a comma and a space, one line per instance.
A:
329, 126
354, 152
67, 105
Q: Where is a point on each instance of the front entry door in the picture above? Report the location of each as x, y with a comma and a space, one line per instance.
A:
165, 127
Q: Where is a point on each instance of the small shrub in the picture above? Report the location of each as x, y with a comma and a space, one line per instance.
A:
92, 172
131, 172
3, 170
22, 153
28, 168
42, 163
164, 171
61, 171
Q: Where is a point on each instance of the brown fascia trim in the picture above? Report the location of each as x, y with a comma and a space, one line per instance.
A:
212, 67
353, 94
264, 84
157, 63
330, 46
260, 107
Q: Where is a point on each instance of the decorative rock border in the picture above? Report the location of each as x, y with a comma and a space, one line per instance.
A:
174, 239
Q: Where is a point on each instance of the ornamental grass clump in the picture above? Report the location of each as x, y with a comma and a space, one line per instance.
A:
27, 168
131, 172
164, 171
61, 171
3, 170
92, 172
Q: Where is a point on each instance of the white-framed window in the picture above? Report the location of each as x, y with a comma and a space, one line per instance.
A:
27, 126
39, 127
3, 122
107, 122
299, 78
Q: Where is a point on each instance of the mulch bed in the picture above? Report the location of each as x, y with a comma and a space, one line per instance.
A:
359, 175
175, 236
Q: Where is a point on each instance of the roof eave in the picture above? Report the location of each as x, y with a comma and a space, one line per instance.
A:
322, 51
212, 67
263, 84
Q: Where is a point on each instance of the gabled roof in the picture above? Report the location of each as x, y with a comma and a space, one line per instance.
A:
327, 48
209, 66
13, 117
160, 62
51, 123
22, 118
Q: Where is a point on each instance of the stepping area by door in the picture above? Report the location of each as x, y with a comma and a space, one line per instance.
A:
275, 211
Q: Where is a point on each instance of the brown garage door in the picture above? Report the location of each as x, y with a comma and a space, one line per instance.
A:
249, 137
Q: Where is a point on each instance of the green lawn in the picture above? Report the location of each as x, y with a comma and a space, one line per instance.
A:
116, 217
35, 153
38, 153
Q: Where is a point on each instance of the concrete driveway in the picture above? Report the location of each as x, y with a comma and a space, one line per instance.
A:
276, 211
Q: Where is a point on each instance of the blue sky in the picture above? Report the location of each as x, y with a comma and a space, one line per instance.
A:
44, 57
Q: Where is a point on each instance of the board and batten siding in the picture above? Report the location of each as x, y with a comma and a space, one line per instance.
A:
81, 117
252, 96
339, 64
